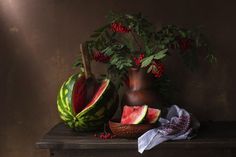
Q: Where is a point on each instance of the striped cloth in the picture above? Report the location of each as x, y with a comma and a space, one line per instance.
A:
178, 125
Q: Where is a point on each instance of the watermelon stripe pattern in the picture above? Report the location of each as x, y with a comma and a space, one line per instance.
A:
100, 110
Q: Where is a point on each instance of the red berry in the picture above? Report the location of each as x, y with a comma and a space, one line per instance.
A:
138, 60
108, 136
118, 27
157, 69
105, 136
100, 57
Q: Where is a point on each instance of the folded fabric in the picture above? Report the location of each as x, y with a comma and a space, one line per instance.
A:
178, 125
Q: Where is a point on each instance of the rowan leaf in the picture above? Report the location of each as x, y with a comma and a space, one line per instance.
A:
149, 69
161, 54
146, 61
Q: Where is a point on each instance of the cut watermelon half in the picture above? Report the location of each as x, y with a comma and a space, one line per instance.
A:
133, 114
153, 115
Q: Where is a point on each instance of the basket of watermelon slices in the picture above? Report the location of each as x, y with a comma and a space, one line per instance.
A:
135, 121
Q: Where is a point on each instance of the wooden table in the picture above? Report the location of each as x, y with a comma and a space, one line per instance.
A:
216, 139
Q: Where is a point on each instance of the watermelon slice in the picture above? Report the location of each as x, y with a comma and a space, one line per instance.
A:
152, 115
133, 114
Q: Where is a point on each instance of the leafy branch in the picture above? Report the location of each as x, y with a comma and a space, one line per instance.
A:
136, 35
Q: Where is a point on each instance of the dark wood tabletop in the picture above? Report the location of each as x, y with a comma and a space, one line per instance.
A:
210, 134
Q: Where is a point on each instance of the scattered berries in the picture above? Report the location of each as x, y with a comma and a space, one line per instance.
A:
138, 60
157, 69
100, 57
118, 27
105, 136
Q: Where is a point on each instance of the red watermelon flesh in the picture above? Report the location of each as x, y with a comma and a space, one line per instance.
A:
133, 114
152, 115
100, 90
79, 95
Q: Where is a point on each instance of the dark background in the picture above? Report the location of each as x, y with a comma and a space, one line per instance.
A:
39, 41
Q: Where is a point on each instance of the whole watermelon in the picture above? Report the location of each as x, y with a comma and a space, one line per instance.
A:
86, 117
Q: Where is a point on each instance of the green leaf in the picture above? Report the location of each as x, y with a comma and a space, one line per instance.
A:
149, 69
78, 63
129, 16
211, 58
146, 61
114, 60
182, 33
120, 67
108, 51
161, 54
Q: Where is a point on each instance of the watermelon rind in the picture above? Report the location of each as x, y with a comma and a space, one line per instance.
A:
142, 115
64, 98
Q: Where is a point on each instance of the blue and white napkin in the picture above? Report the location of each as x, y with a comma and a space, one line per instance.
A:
178, 125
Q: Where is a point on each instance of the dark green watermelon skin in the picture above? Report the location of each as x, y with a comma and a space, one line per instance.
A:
64, 99
92, 118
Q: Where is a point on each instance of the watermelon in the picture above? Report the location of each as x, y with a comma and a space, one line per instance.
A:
84, 117
152, 115
133, 114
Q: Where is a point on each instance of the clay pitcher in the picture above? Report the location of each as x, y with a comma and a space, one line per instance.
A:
140, 90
